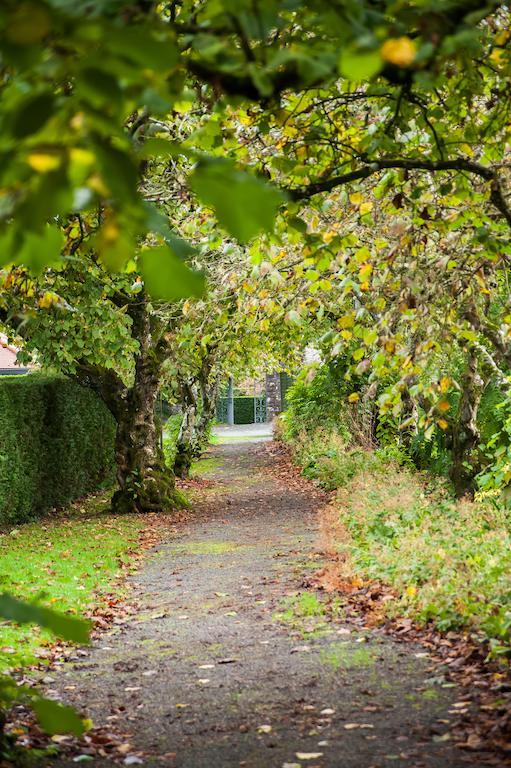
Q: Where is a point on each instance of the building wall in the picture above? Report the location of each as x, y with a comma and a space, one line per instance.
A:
8, 353
7, 356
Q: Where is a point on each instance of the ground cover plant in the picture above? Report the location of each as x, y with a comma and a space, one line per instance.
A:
448, 561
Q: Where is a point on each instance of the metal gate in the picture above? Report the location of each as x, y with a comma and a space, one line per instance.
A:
260, 409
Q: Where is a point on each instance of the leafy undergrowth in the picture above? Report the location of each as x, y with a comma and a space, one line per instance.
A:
448, 562
66, 563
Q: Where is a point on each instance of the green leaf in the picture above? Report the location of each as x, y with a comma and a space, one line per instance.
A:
57, 718
33, 113
158, 223
141, 46
40, 249
360, 65
244, 204
98, 87
168, 278
66, 627
158, 147
119, 171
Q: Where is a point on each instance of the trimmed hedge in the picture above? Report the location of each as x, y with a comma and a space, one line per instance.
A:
243, 410
56, 444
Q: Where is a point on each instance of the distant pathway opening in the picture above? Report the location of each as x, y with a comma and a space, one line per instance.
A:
243, 431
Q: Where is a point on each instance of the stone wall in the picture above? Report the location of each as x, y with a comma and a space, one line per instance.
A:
273, 396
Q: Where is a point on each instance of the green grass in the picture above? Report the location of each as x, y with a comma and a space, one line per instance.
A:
346, 656
204, 466
66, 563
305, 613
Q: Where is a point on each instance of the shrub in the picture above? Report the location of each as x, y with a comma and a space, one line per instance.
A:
325, 458
448, 561
316, 399
56, 444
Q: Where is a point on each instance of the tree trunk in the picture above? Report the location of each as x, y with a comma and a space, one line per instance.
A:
145, 483
197, 415
466, 434
184, 445
208, 392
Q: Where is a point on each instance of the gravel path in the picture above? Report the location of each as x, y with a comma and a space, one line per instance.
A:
232, 661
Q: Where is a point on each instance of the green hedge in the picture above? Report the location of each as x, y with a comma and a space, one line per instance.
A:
243, 410
56, 444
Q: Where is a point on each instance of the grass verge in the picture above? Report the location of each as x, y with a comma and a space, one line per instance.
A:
67, 563
448, 562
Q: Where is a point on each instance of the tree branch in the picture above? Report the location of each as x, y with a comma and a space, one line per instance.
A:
461, 164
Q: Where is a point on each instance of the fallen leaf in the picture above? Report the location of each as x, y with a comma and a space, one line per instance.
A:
308, 755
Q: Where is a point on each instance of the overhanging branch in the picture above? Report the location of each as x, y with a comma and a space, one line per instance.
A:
460, 164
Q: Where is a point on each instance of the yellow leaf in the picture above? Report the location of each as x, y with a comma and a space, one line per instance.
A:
445, 383
46, 301
356, 198
82, 156
443, 424
354, 397
328, 236
400, 51
364, 286
502, 37
346, 322
365, 271
497, 56
346, 335
42, 162
366, 207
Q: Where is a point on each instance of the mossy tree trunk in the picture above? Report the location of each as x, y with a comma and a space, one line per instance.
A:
198, 400
208, 392
145, 483
189, 403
